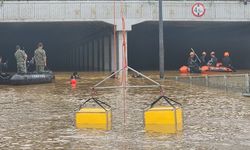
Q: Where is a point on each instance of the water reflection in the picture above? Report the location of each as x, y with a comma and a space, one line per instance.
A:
42, 117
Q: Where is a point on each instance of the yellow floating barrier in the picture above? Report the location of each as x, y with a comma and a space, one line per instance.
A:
164, 119
94, 118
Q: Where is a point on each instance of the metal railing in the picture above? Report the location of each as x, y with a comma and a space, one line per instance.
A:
232, 82
124, 0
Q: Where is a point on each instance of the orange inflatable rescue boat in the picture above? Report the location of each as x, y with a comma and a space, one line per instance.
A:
185, 69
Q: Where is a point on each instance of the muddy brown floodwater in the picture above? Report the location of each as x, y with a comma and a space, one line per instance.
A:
42, 117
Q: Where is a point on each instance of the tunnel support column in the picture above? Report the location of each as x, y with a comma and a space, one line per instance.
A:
95, 48
78, 58
122, 54
71, 59
85, 49
161, 43
74, 59
113, 61
90, 49
101, 56
106, 54
81, 57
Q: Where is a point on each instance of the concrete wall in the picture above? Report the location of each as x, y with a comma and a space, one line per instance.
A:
91, 55
134, 11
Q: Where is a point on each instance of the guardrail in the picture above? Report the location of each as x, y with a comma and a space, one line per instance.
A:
233, 82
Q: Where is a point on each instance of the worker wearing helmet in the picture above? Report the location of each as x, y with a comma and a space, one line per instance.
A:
193, 63
203, 58
226, 61
213, 60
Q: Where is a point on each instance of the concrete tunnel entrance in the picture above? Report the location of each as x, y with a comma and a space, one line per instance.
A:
60, 41
179, 37
86, 46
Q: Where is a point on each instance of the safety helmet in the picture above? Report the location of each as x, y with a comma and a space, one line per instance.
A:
191, 53
226, 54
204, 53
212, 53
18, 47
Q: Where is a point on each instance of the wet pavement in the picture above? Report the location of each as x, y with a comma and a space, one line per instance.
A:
42, 116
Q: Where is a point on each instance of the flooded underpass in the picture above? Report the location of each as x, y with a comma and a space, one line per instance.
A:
42, 116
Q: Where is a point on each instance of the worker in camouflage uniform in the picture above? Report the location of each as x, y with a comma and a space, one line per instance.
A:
40, 58
21, 58
3, 65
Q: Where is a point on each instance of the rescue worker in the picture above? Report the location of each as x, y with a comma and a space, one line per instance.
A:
193, 64
21, 58
226, 61
113, 76
75, 75
1, 65
203, 59
31, 65
136, 75
213, 60
40, 58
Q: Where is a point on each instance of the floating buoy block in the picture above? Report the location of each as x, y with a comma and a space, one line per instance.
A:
163, 119
93, 118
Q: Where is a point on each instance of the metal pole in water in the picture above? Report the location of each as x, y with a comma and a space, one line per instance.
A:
207, 81
161, 43
247, 86
247, 83
225, 82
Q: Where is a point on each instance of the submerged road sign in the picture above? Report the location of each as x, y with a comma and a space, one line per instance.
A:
198, 9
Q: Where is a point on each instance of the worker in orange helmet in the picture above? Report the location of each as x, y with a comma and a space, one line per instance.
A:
193, 63
213, 60
226, 61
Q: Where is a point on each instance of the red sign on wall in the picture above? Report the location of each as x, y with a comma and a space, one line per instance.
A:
198, 9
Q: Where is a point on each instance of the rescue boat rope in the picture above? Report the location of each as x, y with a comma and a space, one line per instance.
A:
156, 83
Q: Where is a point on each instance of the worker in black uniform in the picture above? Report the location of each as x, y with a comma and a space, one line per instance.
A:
2, 64
203, 59
193, 63
75, 75
227, 62
213, 60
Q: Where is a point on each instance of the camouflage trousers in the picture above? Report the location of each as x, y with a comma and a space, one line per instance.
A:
21, 68
40, 68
